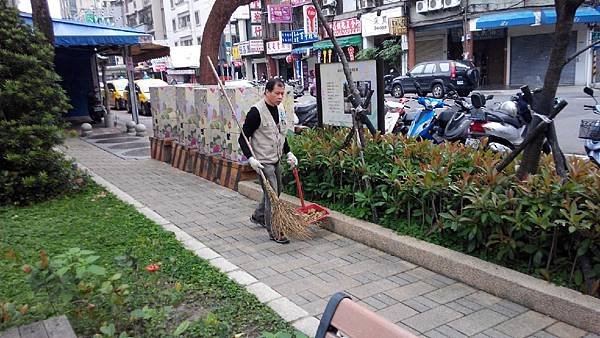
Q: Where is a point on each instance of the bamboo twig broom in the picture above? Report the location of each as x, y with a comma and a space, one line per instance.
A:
285, 220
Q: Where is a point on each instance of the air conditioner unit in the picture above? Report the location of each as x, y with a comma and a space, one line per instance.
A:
367, 4
328, 11
451, 3
422, 7
434, 5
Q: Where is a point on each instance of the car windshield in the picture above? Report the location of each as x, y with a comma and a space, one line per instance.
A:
462, 65
146, 84
120, 84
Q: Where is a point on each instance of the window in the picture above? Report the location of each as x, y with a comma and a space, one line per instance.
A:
183, 21
461, 66
418, 69
444, 66
172, 4
197, 18
174, 25
131, 20
429, 69
186, 41
176, 44
199, 40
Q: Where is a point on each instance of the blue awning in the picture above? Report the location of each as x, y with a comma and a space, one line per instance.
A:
582, 15
302, 50
505, 19
74, 33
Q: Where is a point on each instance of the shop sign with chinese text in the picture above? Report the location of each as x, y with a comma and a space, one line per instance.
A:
344, 27
398, 26
311, 25
251, 47
281, 13
276, 47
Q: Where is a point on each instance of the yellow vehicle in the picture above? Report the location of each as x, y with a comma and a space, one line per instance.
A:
116, 96
142, 88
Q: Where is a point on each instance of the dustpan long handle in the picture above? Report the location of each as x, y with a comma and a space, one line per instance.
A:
222, 88
298, 185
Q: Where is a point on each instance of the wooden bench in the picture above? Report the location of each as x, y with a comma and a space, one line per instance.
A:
346, 317
55, 327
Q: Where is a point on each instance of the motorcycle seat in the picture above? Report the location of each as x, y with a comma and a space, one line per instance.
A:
502, 117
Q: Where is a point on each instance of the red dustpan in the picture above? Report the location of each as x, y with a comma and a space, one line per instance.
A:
314, 211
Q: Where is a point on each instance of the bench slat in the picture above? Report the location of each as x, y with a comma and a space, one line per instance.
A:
34, 330
359, 322
10, 333
59, 327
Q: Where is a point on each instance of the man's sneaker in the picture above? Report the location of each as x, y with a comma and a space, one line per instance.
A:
280, 239
257, 221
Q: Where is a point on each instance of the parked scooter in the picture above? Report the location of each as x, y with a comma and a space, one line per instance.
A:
95, 108
461, 117
589, 130
394, 116
505, 127
306, 111
425, 124
298, 87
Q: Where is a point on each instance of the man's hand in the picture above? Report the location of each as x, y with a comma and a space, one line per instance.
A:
292, 160
255, 164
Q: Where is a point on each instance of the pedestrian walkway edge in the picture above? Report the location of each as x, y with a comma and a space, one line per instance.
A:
559, 302
285, 308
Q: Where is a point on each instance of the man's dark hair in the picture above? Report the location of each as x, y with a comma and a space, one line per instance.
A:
274, 82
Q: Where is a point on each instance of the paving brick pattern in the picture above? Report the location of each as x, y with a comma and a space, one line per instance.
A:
308, 272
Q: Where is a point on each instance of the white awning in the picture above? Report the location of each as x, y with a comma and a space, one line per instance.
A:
185, 57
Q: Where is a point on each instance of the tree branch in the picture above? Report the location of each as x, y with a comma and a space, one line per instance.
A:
572, 57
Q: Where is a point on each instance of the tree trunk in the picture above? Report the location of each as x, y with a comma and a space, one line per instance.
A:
41, 18
543, 101
211, 37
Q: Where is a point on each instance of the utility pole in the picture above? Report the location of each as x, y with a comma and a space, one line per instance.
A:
41, 19
467, 38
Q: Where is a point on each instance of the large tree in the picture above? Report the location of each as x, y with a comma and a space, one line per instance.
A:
211, 38
543, 101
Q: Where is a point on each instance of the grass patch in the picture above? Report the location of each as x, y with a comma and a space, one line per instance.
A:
93, 220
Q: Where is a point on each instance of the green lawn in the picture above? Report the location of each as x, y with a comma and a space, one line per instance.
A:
94, 220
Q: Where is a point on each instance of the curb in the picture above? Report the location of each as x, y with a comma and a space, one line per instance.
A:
285, 308
559, 302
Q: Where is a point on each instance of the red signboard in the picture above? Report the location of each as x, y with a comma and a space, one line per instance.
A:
350, 26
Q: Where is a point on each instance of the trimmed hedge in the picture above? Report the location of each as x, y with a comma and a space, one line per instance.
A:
453, 196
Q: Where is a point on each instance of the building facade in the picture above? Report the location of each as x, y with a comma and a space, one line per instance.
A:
508, 40
146, 15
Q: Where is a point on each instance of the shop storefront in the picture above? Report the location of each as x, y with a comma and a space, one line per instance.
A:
376, 29
350, 46
348, 35
252, 52
517, 46
435, 42
277, 53
302, 46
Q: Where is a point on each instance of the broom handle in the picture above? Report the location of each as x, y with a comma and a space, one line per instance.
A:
222, 88
298, 186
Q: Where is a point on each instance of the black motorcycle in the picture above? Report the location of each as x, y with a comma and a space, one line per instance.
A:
96, 109
306, 111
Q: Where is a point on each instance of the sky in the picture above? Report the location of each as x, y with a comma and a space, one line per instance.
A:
54, 5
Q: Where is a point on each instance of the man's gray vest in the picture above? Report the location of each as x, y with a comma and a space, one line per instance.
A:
268, 140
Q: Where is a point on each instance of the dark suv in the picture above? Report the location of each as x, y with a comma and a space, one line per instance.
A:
436, 77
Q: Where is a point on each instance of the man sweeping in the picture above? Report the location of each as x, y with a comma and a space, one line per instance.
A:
266, 128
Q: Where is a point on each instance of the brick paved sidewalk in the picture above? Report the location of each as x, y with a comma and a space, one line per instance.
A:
309, 272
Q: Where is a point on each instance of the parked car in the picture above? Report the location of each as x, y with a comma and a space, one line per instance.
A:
142, 88
115, 93
436, 77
